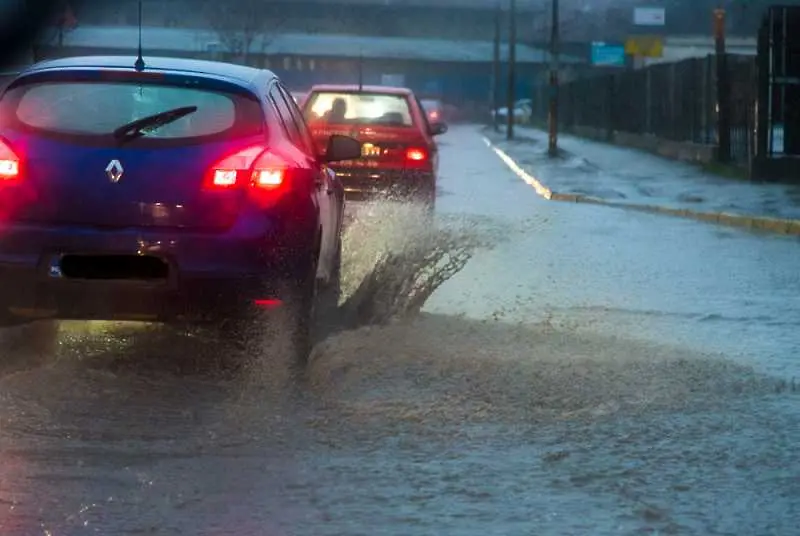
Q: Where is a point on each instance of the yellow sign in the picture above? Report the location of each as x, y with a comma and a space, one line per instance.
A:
645, 46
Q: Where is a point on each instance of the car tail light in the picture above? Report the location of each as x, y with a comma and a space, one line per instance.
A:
416, 155
254, 167
434, 115
9, 163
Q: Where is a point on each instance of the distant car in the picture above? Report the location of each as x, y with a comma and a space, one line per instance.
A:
523, 112
188, 192
399, 154
434, 110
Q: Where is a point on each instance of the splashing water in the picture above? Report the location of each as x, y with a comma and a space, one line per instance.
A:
395, 257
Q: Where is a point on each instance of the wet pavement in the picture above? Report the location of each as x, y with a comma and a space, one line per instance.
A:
620, 174
589, 371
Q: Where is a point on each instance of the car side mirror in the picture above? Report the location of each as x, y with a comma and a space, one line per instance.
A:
437, 129
342, 148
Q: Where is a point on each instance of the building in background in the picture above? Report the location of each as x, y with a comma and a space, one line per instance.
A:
458, 71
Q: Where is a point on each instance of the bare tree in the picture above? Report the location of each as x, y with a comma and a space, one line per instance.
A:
239, 22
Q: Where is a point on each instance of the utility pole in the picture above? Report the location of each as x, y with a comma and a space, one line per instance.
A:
496, 66
552, 115
512, 75
723, 88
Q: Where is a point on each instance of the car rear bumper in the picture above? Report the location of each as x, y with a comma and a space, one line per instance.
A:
196, 299
209, 276
392, 182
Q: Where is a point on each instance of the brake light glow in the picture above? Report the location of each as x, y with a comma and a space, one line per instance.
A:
268, 178
255, 166
417, 155
224, 178
267, 303
9, 163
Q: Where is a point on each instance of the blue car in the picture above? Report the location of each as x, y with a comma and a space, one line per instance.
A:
187, 191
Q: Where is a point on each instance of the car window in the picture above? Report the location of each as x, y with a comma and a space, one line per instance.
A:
425, 123
299, 121
358, 109
285, 116
97, 108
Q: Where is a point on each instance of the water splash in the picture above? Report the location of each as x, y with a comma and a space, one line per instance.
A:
395, 256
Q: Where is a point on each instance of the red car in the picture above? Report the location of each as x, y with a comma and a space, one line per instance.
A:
399, 154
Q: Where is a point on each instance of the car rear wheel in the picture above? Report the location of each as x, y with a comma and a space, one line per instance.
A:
29, 343
288, 323
426, 196
326, 318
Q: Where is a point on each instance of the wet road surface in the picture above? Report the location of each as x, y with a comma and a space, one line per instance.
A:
593, 372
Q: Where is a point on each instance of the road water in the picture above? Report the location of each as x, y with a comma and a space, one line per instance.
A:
409, 423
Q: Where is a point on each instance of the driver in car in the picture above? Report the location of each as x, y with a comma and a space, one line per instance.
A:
337, 112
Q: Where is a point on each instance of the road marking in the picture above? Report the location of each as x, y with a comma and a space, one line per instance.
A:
540, 188
760, 223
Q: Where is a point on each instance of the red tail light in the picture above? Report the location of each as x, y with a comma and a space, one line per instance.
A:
9, 163
416, 155
255, 167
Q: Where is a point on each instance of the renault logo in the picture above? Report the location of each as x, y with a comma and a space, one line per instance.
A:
114, 170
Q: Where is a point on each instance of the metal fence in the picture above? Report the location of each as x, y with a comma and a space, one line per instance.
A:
672, 101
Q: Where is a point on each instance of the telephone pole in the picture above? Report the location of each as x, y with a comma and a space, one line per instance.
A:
496, 66
552, 115
512, 75
723, 87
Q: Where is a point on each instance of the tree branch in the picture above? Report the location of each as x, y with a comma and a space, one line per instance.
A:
238, 22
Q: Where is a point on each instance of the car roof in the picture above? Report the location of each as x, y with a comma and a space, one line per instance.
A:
387, 90
239, 74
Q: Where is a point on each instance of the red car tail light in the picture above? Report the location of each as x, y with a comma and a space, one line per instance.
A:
255, 167
416, 155
10, 163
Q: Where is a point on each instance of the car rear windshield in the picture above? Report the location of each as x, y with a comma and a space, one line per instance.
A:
96, 109
359, 109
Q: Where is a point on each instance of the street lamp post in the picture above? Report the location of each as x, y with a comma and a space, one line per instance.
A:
496, 66
512, 75
552, 115
723, 87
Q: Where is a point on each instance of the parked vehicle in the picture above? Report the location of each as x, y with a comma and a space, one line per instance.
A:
523, 112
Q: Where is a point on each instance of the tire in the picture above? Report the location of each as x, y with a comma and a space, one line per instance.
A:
331, 292
297, 317
326, 320
291, 324
426, 196
29, 343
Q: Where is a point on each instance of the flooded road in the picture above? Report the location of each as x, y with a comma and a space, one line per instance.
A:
587, 371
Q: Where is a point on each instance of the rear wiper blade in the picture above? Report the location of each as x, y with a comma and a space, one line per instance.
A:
138, 128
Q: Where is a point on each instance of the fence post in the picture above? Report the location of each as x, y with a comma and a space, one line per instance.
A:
675, 130
610, 107
648, 100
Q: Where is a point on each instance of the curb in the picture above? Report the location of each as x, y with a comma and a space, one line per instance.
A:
760, 223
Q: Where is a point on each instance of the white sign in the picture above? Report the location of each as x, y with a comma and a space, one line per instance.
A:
649, 16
